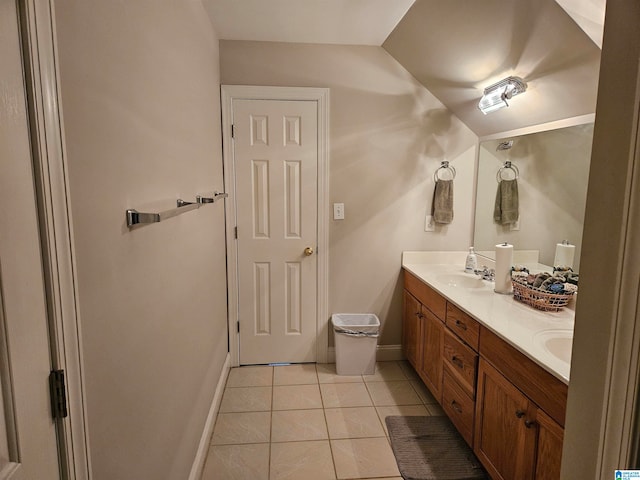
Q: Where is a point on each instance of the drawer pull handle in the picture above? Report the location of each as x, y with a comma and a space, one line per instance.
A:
461, 325
456, 407
519, 413
529, 423
457, 362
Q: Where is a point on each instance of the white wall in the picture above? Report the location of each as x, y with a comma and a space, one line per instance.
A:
140, 97
388, 135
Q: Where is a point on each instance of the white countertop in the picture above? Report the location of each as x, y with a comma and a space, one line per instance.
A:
522, 326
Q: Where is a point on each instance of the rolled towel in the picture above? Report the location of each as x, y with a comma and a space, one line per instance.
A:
443, 202
506, 208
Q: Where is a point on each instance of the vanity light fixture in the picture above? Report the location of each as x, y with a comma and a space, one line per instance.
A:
495, 96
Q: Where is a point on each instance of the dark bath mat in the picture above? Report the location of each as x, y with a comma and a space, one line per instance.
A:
430, 448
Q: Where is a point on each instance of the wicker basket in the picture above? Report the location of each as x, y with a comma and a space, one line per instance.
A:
550, 302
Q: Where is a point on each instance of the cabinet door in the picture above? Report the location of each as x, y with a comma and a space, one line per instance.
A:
505, 431
432, 352
549, 450
411, 334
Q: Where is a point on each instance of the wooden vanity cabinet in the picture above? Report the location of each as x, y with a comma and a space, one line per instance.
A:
433, 340
549, 448
411, 334
505, 437
520, 409
508, 408
423, 331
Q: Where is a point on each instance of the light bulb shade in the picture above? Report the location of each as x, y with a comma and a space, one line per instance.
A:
495, 96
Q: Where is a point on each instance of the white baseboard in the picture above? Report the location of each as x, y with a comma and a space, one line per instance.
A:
384, 353
203, 447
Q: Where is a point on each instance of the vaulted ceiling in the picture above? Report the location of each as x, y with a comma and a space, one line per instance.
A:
454, 48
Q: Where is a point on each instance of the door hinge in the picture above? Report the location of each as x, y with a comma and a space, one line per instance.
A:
238, 326
235, 232
58, 394
233, 131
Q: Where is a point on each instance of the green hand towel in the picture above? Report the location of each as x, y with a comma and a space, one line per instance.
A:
443, 202
506, 209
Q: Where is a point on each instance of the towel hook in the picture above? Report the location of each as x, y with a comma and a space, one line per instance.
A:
507, 166
444, 165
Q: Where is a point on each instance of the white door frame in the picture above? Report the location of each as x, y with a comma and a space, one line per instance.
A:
321, 96
52, 186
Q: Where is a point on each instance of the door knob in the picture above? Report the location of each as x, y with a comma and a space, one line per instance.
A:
308, 251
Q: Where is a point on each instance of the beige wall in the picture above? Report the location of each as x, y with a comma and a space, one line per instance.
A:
388, 134
140, 100
458, 48
604, 359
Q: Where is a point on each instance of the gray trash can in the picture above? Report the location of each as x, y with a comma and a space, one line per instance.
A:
356, 339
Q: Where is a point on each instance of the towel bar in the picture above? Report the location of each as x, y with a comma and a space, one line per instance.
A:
207, 199
134, 217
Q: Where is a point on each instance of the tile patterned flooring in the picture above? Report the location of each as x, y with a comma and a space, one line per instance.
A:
304, 422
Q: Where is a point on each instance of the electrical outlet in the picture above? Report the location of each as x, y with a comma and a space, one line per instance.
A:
338, 211
515, 226
429, 224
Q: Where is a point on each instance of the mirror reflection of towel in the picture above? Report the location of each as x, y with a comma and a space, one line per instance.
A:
443, 202
506, 208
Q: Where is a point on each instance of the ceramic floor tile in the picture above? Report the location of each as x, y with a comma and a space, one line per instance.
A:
355, 422
298, 425
236, 428
250, 377
424, 393
237, 462
345, 395
327, 374
435, 410
409, 371
393, 393
364, 458
295, 374
246, 399
296, 397
386, 371
405, 410
302, 460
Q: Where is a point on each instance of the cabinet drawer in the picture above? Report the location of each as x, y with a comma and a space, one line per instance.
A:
459, 407
463, 325
461, 362
426, 295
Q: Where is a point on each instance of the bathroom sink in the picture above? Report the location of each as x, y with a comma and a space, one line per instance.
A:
557, 342
461, 280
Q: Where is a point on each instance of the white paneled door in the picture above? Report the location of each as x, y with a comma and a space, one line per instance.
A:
28, 448
276, 172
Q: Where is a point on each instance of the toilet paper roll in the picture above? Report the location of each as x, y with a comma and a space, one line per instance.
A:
564, 255
504, 262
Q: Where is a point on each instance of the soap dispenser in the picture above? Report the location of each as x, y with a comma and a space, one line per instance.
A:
471, 265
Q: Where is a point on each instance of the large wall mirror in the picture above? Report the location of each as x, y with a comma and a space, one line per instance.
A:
553, 172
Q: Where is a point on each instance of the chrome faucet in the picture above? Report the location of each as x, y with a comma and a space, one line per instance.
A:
486, 273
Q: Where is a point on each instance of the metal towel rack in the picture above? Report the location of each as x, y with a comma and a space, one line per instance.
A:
444, 165
134, 217
507, 166
201, 199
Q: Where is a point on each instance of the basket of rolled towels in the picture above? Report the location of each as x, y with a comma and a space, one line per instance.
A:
544, 291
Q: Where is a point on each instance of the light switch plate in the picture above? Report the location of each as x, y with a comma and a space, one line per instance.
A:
429, 224
338, 211
515, 226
